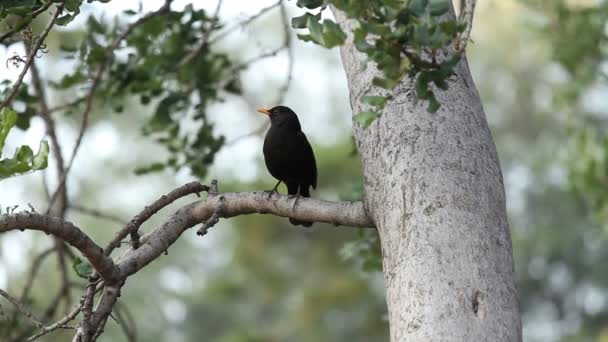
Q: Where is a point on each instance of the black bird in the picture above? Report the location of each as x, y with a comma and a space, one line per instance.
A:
288, 155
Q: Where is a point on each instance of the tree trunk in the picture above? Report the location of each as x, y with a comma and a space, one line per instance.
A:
433, 187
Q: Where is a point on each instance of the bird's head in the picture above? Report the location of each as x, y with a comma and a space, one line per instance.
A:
281, 115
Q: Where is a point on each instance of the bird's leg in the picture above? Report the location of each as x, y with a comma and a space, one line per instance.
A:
297, 196
273, 189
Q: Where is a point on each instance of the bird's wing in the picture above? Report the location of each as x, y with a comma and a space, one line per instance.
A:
309, 159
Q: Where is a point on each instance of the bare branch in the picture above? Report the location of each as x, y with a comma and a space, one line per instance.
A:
126, 321
97, 213
104, 306
139, 219
66, 105
66, 231
49, 123
287, 43
285, 87
204, 42
35, 266
466, 16
60, 324
160, 239
31, 56
244, 22
253, 133
214, 219
22, 309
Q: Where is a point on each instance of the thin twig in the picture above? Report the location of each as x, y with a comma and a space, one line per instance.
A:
255, 132
287, 43
31, 276
466, 16
31, 56
60, 324
214, 219
204, 42
67, 232
109, 54
285, 87
64, 291
144, 215
22, 309
66, 105
244, 22
97, 213
128, 328
35, 266
52, 134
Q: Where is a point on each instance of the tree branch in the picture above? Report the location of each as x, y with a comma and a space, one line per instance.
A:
133, 225
160, 239
68, 233
466, 15
155, 243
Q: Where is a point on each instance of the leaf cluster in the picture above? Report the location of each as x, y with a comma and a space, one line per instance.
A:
24, 159
147, 65
403, 38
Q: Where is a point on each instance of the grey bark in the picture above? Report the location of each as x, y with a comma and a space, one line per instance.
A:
434, 189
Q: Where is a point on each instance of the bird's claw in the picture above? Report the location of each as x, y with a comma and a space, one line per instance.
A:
270, 192
293, 205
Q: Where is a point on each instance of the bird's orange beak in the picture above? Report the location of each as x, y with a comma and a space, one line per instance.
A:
264, 111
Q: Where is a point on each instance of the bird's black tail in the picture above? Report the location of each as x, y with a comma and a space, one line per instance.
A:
304, 192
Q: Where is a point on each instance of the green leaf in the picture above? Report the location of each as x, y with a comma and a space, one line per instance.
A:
316, 30
418, 7
439, 7
65, 19
433, 104
70, 80
8, 119
305, 37
82, 268
310, 4
365, 118
154, 167
95, 26
360, 41
24, 160
451, 27
40, 160
376, 101
301, 21
73, 5
385, 83
332, 34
